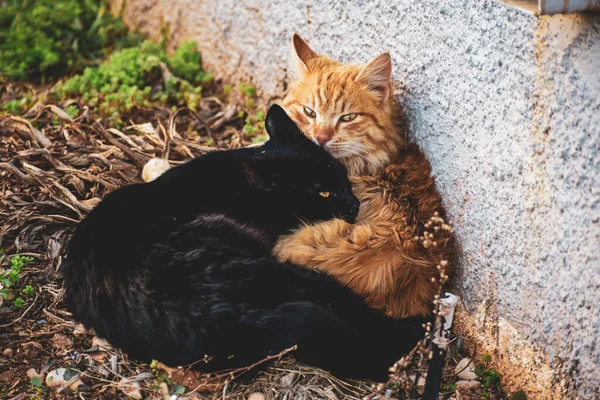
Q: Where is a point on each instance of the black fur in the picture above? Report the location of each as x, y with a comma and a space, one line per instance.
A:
181, 267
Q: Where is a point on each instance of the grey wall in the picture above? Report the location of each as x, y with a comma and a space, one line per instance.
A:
507, 106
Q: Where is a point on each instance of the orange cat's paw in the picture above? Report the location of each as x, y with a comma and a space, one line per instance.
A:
302, 246
283, 249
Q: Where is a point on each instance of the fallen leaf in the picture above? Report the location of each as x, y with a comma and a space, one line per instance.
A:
61, 342
131, 389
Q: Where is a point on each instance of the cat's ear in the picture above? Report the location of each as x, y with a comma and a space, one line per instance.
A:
280, 126
301, 53
378, 74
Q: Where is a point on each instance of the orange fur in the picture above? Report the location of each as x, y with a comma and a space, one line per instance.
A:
377, 257
365, 144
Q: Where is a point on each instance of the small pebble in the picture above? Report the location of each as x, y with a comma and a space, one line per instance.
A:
7, 377
466, 373
288, 379
8, 353
154, 168
468, 385
257, 396
56, 378
421, 382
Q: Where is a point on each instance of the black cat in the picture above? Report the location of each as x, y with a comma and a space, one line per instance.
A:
181, 267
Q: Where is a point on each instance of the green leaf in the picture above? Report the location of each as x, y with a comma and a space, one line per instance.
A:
19, 302
36, 381
178, 389
28, 290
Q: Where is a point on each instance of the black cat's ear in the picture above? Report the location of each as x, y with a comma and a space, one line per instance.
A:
280, 126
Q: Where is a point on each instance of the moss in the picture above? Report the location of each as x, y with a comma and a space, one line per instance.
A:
134, 77
42, 39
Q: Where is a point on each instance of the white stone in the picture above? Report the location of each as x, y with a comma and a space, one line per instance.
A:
468, 385
257, 396
465, 370
56, 378
154, 168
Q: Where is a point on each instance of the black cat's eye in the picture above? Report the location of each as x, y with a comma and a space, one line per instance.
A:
309, 112
324, 194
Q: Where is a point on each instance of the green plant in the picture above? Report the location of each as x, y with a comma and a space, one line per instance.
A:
254, 124
11, 275
178, 389
17, 106
490, 378
72, 111
28, 290
248, 91
40, 39
186, 63
135, 77
36, 381
18, 302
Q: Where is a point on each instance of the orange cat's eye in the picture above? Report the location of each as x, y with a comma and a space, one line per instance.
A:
348, 117
309, 112
324, 194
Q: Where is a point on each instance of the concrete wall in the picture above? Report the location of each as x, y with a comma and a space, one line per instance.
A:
507, 106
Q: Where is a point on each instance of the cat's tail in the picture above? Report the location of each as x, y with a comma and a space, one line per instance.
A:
364, 347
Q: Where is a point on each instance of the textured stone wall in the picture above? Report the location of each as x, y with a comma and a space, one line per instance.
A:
507, 107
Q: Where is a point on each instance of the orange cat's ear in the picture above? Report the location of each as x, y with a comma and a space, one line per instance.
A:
378, 74
301, 53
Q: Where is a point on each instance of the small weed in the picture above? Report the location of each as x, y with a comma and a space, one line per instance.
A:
28, 290
448, 387
178, 389
490, 378
248, 90
36, 382
11, 275
17, 106
72, 111
253, 125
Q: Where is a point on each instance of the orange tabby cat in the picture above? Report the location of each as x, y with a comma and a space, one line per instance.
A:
351, 112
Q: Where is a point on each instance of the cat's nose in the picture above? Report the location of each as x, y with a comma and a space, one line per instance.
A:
322, 139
